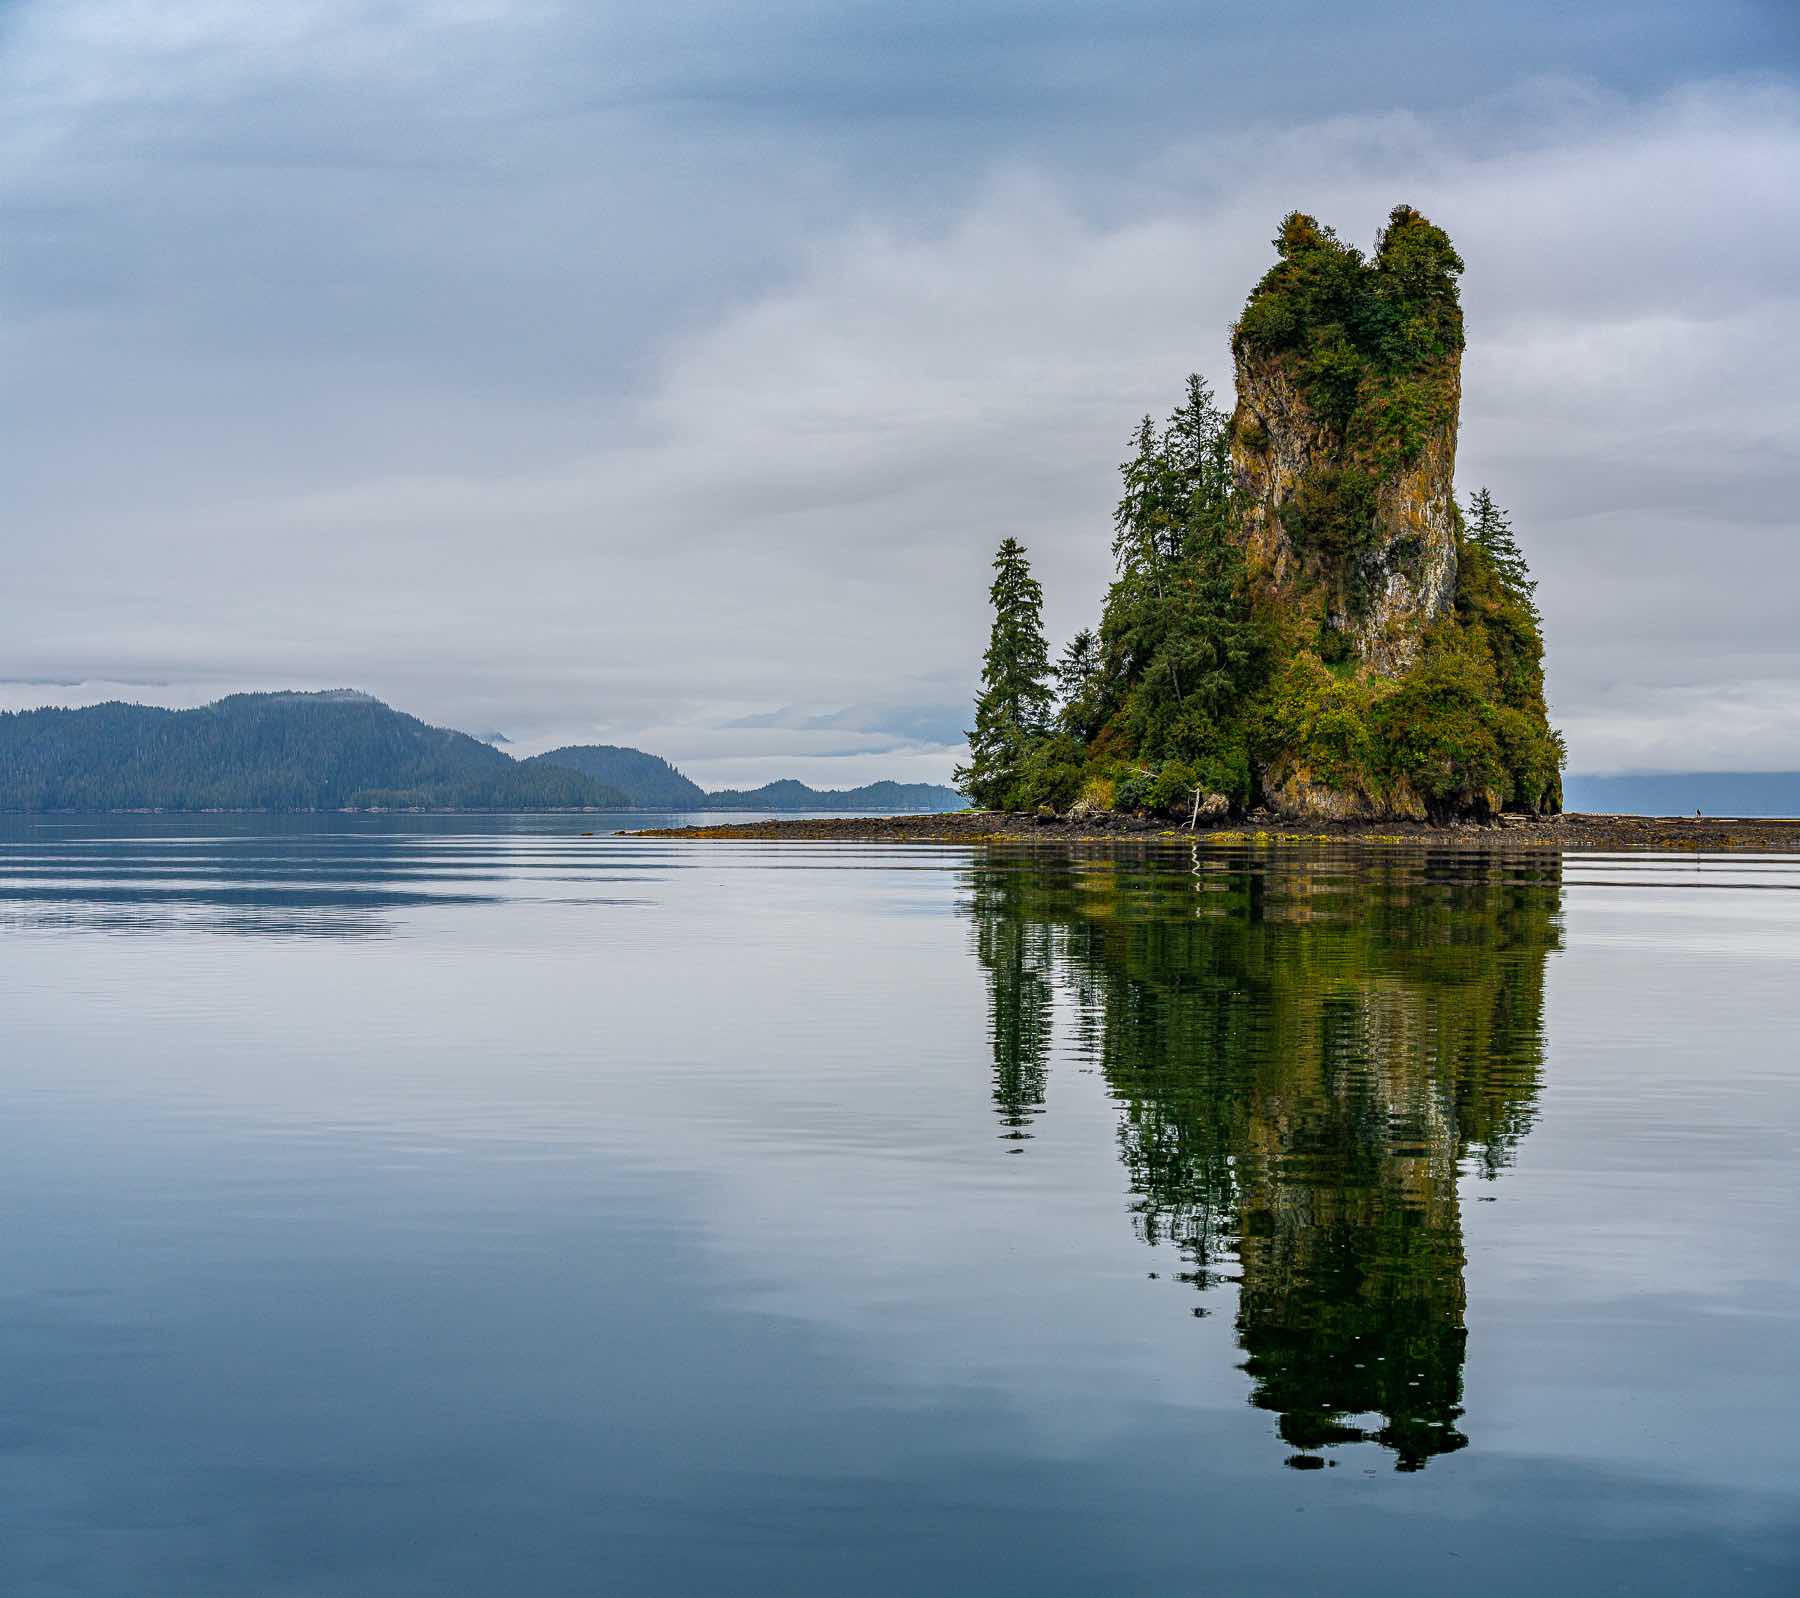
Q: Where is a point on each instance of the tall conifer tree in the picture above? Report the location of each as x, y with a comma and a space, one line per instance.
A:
1012, 712
1180, 649
1491, 528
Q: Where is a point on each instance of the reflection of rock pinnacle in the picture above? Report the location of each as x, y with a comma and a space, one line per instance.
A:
1300, 1078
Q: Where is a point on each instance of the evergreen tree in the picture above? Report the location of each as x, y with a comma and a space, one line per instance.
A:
1012, 712
1076, 676
1197, 444
1080, 660
1179, 646
1491, 528
1147, 524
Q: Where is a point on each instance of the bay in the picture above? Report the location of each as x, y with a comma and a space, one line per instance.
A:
454, 1205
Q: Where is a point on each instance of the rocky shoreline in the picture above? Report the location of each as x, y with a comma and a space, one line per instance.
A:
1708, 834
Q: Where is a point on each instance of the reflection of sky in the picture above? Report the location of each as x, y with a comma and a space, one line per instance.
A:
677, 1239
1668, 1115
289, 876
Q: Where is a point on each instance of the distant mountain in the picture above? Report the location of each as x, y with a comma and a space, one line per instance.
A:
652, 783
648, 781
286, 751
346, 750
1713, 793
890, 798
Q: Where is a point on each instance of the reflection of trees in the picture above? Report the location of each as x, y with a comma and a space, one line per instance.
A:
1305, 1050
1016, 951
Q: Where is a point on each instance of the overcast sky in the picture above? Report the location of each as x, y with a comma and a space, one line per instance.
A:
666, 374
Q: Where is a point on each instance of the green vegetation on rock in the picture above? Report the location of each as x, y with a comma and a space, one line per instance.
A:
1303, 617
1374, 343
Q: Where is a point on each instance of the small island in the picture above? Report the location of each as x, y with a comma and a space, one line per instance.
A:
1307, 635
1304, 619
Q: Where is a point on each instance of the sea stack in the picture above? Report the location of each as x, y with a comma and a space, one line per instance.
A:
1343, 443
1304, 620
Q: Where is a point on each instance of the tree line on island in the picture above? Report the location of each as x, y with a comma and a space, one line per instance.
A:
1302, 616
345, 750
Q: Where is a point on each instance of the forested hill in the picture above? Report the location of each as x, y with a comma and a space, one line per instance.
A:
653, 784
283, 751
648, 781
888, 798
344, 750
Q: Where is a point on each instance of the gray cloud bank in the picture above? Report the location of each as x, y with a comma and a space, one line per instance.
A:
550, 370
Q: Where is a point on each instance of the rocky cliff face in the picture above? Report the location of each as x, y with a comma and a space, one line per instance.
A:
1343, 455
1380, 594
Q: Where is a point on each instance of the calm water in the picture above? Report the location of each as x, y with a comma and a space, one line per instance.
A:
436, 1206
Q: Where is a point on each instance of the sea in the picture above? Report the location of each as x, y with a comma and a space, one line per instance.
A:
445, 1205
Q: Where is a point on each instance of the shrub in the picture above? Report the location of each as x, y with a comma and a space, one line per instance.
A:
1316, 718
1097, 794
1534, 756
1172, 788
1331, 513
1051, 773
1372, 336
1437, 731
1506, 623
1400, 419
1132, 792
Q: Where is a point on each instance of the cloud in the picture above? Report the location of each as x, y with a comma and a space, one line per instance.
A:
939, 725
369, 351
1745, 725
